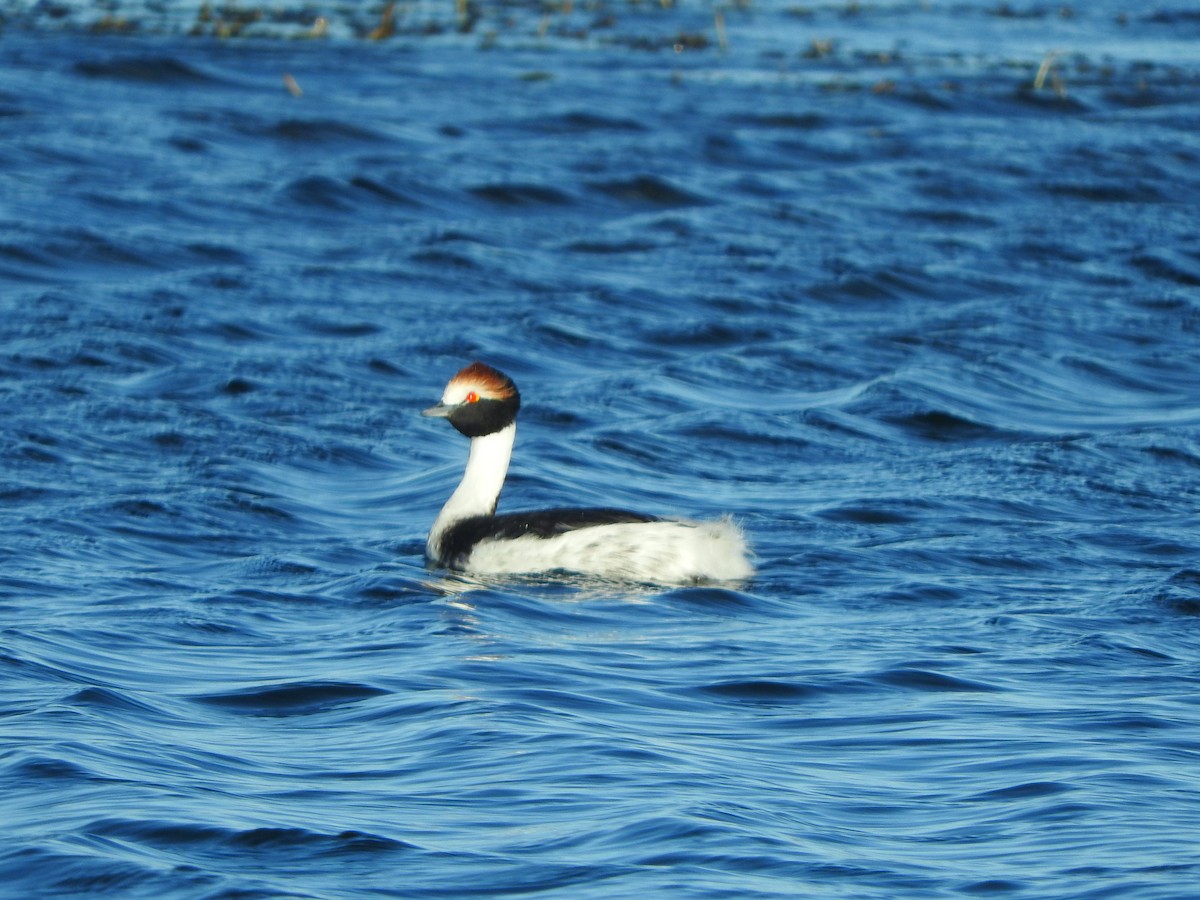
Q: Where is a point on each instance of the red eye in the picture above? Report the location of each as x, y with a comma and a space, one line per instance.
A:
471, 397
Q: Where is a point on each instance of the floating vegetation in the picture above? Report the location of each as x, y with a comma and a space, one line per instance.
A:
378, 21
838, 45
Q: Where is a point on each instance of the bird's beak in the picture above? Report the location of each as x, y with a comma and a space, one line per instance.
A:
441, 411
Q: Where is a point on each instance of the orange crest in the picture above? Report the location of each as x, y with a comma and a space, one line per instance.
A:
481, 382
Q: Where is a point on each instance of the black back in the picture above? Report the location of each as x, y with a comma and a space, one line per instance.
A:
461, 537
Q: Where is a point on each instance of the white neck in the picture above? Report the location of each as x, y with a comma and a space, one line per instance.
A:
477, 493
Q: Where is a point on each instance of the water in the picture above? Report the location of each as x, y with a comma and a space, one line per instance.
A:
929, 332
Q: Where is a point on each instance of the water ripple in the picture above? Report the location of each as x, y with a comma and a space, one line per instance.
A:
919, 317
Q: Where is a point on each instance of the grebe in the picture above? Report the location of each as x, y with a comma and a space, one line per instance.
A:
467, 535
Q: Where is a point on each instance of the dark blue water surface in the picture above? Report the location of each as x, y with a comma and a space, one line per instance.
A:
914, 300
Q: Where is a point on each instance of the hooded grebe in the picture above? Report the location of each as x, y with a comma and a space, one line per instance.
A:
467, 535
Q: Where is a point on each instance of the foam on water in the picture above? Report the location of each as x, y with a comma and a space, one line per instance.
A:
927, 331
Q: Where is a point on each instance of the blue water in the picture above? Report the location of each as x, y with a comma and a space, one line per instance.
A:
931, 333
